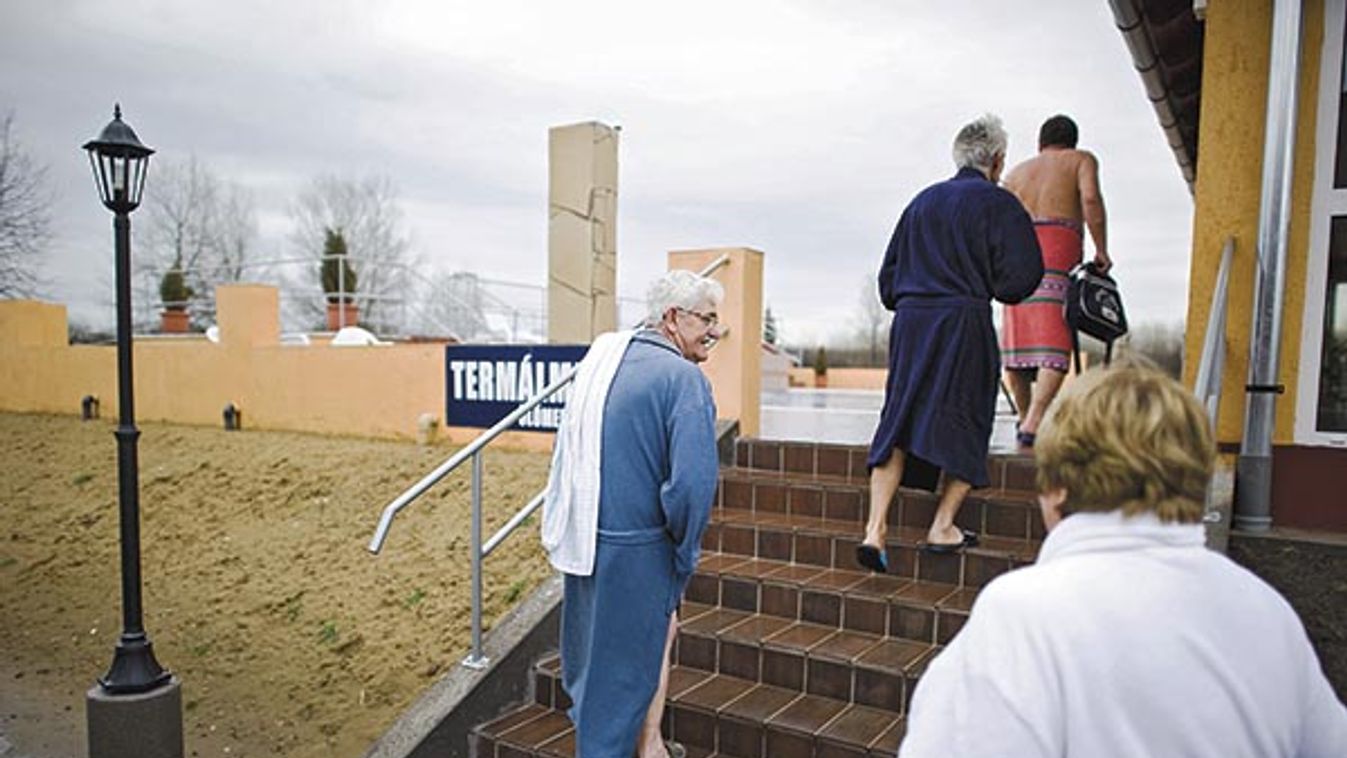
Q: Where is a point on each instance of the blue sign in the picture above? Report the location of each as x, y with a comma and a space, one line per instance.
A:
484, 383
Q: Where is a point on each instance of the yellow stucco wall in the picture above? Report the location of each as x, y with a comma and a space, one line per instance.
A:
373, 391
377, 391
1229, 173
841, 378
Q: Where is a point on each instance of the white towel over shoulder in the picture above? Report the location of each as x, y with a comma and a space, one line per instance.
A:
570, 527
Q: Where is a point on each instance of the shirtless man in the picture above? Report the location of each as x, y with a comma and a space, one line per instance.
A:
1060, 189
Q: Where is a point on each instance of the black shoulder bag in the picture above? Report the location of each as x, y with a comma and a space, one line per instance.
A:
1093, 306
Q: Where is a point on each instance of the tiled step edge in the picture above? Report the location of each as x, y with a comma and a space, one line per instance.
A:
722, 715
998, 513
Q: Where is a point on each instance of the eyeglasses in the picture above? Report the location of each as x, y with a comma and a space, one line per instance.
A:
709, 319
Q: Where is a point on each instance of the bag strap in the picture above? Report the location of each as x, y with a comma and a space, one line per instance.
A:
1108, 352
1075, 348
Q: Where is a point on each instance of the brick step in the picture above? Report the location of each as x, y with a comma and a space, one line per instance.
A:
864, 668
848, 462
998, 512
826, 543
537, 731
883, 605
718, 714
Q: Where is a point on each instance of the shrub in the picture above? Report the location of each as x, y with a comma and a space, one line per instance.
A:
173, 289
338, 276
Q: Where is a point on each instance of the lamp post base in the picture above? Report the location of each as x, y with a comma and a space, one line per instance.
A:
140, 725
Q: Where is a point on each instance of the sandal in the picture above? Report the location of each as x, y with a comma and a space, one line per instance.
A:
970, 539
874, 558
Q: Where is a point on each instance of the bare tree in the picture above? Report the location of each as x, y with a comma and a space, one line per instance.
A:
366, 213
25, 217
238, 233
203, 225
871, 318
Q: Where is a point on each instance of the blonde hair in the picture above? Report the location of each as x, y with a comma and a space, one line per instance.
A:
1127, 438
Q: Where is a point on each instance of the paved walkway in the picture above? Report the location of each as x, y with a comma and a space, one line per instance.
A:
39, 721
849, 417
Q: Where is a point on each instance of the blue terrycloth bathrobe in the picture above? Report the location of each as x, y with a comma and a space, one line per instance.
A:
958, 244
658, 470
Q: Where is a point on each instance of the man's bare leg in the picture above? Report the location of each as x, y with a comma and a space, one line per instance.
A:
652, 742
1045, 390
1021, 388
943, 531
884, 481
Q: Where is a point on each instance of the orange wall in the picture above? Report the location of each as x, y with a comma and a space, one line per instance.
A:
841, 378
376, 391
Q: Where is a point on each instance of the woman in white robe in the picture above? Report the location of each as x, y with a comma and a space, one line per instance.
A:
1128, 637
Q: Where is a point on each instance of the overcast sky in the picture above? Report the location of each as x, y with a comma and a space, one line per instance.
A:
797, 127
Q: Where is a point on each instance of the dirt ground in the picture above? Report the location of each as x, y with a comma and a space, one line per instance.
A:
1312, 575
289, 637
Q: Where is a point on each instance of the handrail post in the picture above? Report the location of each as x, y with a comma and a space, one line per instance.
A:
476, 659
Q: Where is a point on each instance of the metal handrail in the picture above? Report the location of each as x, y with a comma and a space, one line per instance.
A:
1207, 384
1211, 366
476, 658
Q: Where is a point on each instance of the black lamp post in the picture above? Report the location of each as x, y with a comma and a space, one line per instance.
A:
119, 164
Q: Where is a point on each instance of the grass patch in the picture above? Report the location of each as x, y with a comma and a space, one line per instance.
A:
414, 599
327, 634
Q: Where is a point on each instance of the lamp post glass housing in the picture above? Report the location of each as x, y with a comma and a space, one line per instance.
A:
119, 163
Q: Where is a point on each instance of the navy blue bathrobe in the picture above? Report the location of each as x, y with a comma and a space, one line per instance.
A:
658, 470
959, 244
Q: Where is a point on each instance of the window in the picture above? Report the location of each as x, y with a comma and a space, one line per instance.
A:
1332, 415
1340, 154
1321, 397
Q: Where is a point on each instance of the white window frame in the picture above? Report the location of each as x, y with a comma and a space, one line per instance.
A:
1326, 202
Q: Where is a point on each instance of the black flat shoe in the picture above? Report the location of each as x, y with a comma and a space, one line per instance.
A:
873, 558
970, 539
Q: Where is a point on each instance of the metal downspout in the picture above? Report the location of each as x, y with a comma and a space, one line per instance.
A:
1253, 471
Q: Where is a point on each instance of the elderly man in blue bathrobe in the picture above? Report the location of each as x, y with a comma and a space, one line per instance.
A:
959, 244
642, 427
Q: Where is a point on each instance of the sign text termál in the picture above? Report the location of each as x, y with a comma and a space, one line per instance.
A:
485, 382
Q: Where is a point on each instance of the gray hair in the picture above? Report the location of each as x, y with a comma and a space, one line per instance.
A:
679, 288
980, 142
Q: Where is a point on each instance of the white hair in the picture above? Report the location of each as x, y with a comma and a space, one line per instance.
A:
980, 142
679, 289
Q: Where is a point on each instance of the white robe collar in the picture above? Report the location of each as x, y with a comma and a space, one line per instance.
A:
1111, 531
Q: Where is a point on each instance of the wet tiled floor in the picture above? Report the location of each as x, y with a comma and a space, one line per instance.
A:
849, 417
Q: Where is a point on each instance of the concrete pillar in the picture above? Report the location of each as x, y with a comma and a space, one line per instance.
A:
249, 315
581, 232
735, 367
144, 725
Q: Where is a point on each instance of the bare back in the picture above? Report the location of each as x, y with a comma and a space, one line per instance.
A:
1049, 184
1063, 183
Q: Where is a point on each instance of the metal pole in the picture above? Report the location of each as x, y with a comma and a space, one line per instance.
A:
476, 659
341, 292
134, 668
1253, 470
